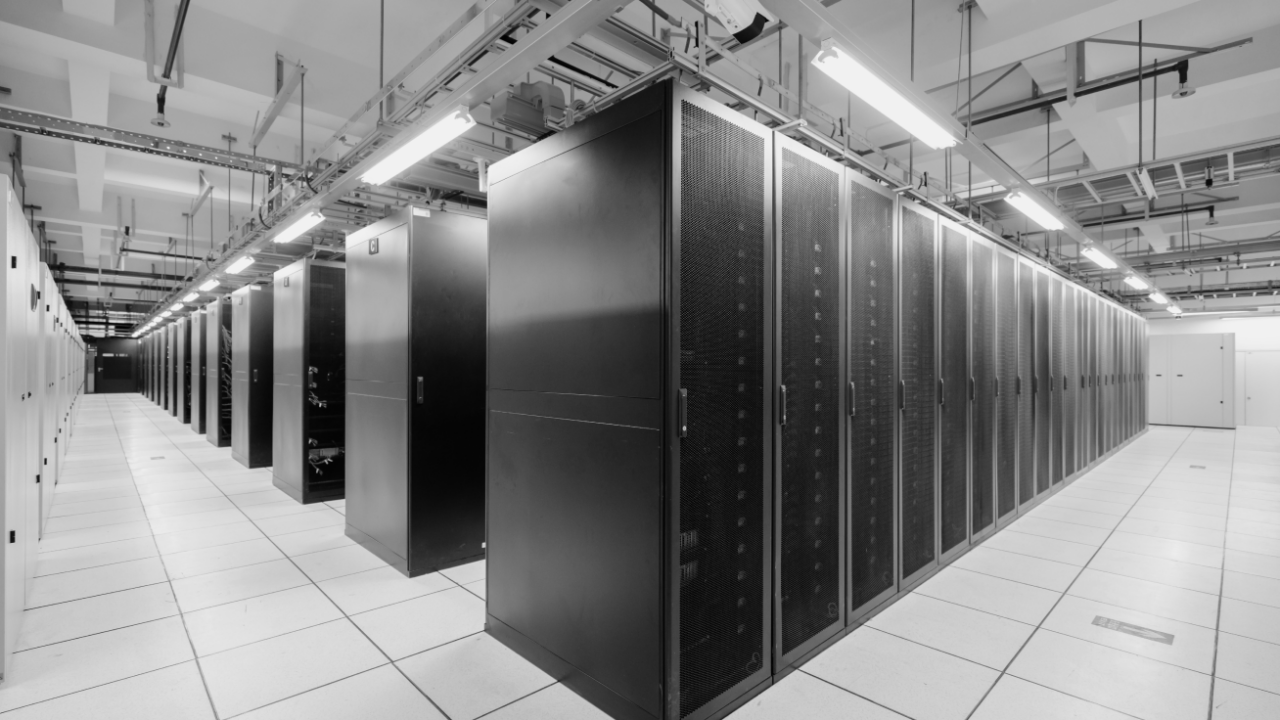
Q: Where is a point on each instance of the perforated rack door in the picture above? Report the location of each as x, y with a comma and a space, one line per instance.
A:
954, 389
983, 338
918, 379
1043, 403
1056, 373
1070, 373
1026, 376
724, 246
872, 372
810, 593
325, 380
1006, 316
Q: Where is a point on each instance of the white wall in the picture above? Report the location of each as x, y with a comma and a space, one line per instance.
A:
1261, 333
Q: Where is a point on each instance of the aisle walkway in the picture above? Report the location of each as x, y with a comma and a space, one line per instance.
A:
174, 583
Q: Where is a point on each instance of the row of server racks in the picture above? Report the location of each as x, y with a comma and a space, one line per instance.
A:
42, 363
741, 397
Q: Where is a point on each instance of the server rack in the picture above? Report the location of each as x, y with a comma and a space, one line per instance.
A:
1025, 385
983, 388
182, 371
1008, 399
873, 375
1042, 382
196, 372
251, 350
645, 382
918, 392
954, 382
1070, 388
218, 372
810, 463
168, 374
1056, 377
309, 380
415, 389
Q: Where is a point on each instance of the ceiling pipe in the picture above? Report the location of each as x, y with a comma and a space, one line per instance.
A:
178, 22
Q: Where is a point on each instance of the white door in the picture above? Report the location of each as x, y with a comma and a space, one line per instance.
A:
1262, 388
1195, 390
1158, 378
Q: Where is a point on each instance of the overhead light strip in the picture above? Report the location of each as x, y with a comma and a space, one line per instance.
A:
425, 143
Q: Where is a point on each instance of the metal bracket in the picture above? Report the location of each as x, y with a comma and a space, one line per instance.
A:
149, 11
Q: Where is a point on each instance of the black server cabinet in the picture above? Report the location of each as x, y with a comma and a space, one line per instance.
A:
1056, 378
954, 382
415, 362
251, 350
309, 380
218, 372
983, 379
1041, 381
182, 371
1070, 371
631, 406
169, 376
809, 463
918, 391
873, 375
196, 355
1008, 401
1025, 385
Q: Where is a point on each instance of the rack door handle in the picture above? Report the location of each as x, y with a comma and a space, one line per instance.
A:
973, 388
421, 390
902, 394
997, 383
942, 391
853, 398
682, 409
782, 404
1017, 385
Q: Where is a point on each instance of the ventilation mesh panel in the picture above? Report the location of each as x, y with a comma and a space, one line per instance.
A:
954, 460
871, 368
1071, 371
919, 377
810, 484
984, 391
1042, 397
1026, 371
722, 365
1055, 373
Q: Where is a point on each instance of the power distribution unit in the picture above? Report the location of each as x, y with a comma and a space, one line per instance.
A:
217, 371
196, 355
631, 406
251, 359
415, 360
309, 380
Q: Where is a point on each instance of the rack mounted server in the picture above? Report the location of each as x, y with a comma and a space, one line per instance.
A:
251, 366
415, 430
218, 371
309, 381
196, 355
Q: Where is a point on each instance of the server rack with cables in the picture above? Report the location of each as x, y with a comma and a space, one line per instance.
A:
251, 360
1070, 388
415, 364
309, 380
954, 383
171, 369
631, 406
182, 370
1025, 385
918, 393
195, 368
1008, 398
1057, 375
983, 388
1041, 382
218, 372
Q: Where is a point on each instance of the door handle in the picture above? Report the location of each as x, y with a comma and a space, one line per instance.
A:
902, 394
1017, 385
973, 388
782, 403
682, 409
421, 390
942, 391
853, 398
255, 374
997, 387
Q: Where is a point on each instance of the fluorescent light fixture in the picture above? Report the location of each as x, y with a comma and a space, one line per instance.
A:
1135, 282
1035, 211
209, 285
860, 81
1148, 187
176, 307
191, 297
1099, 258
1174, 309
1158, 297
239, 266
294, 231
166, 313
426, 142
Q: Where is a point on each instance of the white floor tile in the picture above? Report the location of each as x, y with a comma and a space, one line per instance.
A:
382, 692
1165, 548
914, 680
473, 676
466, 573
423, 623
1192, 646
361, 592
1169, 572
313, 541
1146, 596
70, 620
1119, 680
93, 536
187, 507
77, 584
1016, 699
1252, 588
1253, 544
172, 693
248, 621
220, 557
974, 635
1020, 568
328, 564
1232, 701
1252, 563
217, 588
320, 517
1251, 620
200, 538
1046, 548
1248, 662
65, 508
249, 677
196, 521
1173, 531
1014, 600
60, 561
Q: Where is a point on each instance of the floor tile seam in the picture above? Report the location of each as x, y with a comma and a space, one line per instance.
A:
95, 527
1192, 542
1157, 582
919, 590
1153, 537
95, 687
1047, 505
1130, 652
1179, 523
1222, 582
61, 501
304, 692
95, 567
860, 696
1191, 512
182, 619
228, 569
526, 696
331, 600
100, 632
1151, 612
170, 532
1067, 590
